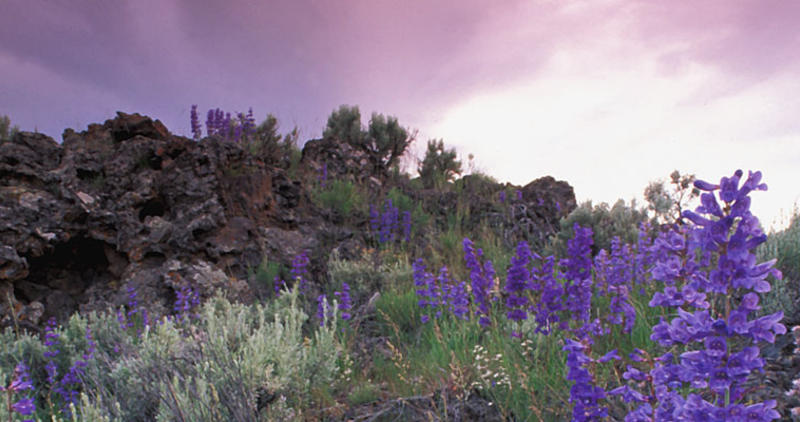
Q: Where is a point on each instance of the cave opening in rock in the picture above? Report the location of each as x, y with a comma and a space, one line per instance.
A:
58, 279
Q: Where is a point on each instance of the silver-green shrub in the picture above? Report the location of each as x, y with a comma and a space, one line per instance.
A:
233, 362
606, 222
784, 247
364, 275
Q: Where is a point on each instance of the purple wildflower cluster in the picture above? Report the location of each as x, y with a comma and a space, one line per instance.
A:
390, 223
127, 318
68, 385
230, 127
584, 395
298, 273
711, 286
558, 295
482, 280
186, 302
549, 292
21, 381
712, 281
194, 121
345, 302
440, 293
614, 277
517, 282
577, 274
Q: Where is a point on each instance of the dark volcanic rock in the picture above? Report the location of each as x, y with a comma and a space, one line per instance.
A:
536, 216
339, 159
126, 205
531, 213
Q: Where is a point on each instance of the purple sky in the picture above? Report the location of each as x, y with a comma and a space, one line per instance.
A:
605, 94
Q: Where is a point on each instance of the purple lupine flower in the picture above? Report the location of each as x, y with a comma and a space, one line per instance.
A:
133, 305
601, 272
482, 278
517, 282
91, 346
68, 386
299, 270
456, 298
123, 322
51, 343
25, 407
21, 381
443, 285
187, 300
386, 224
210, 122
425, 287
551, 294
519, 195
577, 274
619, 281
711, 359
502, 197
407, 226
345, 302
584, 395
195, 122
389, 222
440, 292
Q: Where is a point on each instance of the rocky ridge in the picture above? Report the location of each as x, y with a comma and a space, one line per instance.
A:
127, 206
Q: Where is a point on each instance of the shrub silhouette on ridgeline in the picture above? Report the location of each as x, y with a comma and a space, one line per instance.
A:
383, 140
668, 203
439, 166
6, 130
262, 140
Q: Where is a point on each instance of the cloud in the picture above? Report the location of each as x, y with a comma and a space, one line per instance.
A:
614, 112
531, 87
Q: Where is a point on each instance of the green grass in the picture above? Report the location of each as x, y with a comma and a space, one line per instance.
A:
364, 393
441, 355
343, 197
